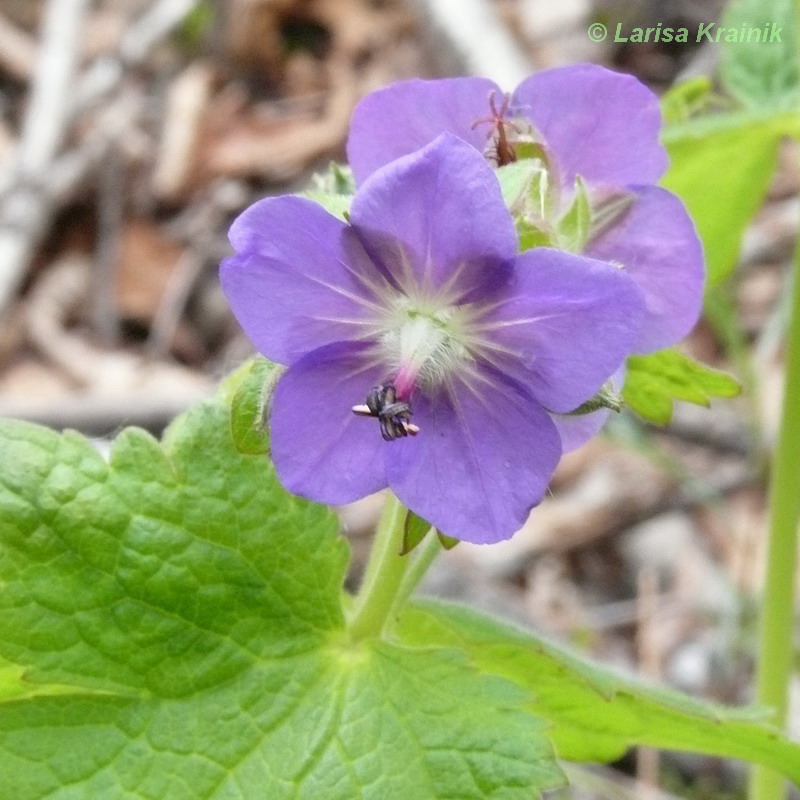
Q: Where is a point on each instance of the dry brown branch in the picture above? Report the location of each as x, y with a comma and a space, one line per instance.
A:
42, 134
116, 382
202, 229
17, 50
29, 208
100, 414
106, 74
186, 103
33, 187
110, 211
50, 97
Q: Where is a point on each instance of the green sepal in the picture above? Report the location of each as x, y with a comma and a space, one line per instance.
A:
574, 227
333, 190
254, 383
415, 528
607, 398
654, 381
336, 204
338, 179
447, 542
528, 198
531, 236
526, 150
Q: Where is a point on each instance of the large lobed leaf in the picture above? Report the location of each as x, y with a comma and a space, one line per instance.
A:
596, 714
171, 627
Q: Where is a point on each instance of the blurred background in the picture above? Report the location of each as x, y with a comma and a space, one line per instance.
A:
132, 132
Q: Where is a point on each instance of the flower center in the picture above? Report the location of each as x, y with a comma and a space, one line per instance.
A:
423, 346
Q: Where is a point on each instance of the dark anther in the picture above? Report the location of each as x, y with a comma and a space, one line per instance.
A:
394, 415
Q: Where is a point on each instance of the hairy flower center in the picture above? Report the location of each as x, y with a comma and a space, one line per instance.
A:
421, 341
423, 346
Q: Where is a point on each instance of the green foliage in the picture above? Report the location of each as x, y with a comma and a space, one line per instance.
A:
171, 627
196, 25
722, 164
596, 714
685, 100
722, 174
654, 381
763, 75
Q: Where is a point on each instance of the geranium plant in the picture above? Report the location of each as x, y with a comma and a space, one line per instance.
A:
173, 621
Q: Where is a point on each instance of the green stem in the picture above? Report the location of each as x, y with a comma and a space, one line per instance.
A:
383, 575
423, 558
777, 616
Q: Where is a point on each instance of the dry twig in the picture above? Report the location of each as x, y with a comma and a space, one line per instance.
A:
42, 135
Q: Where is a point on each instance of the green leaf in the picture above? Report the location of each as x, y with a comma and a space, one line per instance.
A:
171, 626
654, 381
596, 714
686, 99
722, 174
762, 75
254, 383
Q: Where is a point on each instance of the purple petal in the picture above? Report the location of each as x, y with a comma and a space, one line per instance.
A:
565, 327
299, 279
406, 116
658, 247
322, 450
575, 431
482, 459
600, 124
436, 221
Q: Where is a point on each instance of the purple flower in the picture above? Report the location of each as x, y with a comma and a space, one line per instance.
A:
421, 313
589, 122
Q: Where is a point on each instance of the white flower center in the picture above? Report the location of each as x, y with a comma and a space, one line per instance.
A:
424, 345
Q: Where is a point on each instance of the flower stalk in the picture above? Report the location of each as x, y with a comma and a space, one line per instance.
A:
776, 640
383, 575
